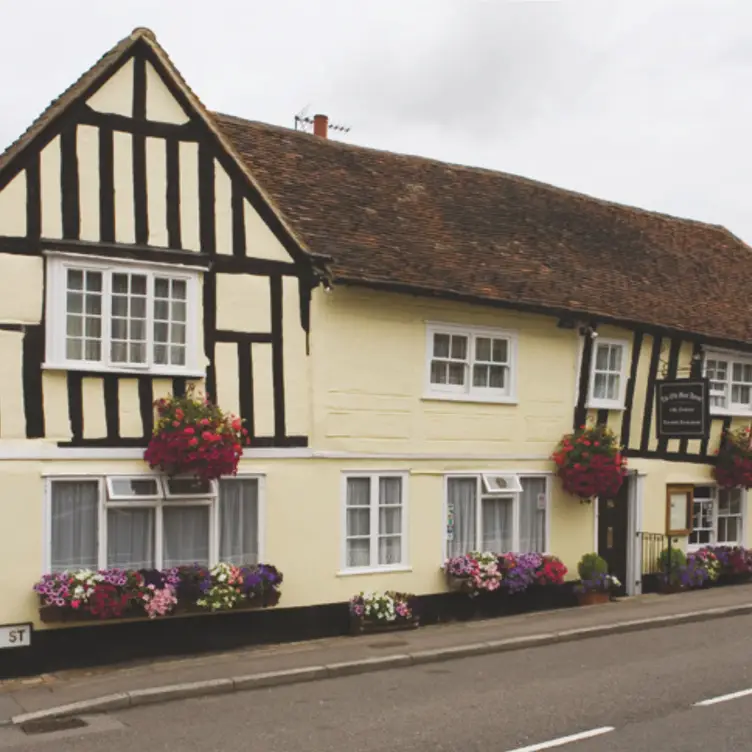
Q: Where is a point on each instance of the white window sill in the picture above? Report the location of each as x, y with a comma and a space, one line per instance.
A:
730, 413
595, 405
99, 368
479, 399
373, 570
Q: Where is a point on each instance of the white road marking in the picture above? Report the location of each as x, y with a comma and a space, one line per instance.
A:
723, 698
561, 741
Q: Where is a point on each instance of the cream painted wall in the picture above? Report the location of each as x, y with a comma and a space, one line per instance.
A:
125, 217
156, 190
21, 288
50, 190
222, 209
160, 104
297, 365
116, 95
302, 534
244, 303
13, 207
87, 152
260, 240
369, 371
189, 229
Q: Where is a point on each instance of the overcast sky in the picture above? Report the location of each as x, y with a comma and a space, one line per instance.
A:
647, 102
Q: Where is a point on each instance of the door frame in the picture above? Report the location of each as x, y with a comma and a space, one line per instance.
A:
635, 493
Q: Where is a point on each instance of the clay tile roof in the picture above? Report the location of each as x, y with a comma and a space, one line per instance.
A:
430, 227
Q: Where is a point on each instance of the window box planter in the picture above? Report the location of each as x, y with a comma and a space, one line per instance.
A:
359, 625
382, 612
107, 595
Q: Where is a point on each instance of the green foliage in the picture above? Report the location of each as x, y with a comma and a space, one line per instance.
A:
591, 565
678, 559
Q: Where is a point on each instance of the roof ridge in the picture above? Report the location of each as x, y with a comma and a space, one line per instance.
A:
474, 168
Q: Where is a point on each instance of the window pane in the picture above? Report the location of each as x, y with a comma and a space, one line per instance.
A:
497, 525
75, 302
497, 377
439, 372
358, 553
130, 538
732, 530
358, 492
390, 491
533, 515
188, 487
390, 520
614, 361
179, 289
134, 487
600, 386
83, 315
613, 388
74, 509
601, 357
461, 515
75, 279
480, 376
74, 349
358, 521
390, 550
238, 521
186, 535
441, 345
170, 316
740, 394
456, 374
459, 347
483, 348
500, 354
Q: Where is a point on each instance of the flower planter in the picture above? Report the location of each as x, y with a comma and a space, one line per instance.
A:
359, 625
593, 598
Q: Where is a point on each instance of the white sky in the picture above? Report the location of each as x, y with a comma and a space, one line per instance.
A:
648, 102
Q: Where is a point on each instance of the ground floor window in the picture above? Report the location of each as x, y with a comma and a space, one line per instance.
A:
144, 522
496, 512
717, 516
374, 521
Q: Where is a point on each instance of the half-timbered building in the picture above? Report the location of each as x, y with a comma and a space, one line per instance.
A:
405, 339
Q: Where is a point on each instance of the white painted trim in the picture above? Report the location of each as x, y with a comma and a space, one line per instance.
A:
115, 261
372, 570
596, 515
374, 477
730, 357
466, 392
578, 366
45, 450
604, 404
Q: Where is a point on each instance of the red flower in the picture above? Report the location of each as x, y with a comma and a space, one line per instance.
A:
189, 430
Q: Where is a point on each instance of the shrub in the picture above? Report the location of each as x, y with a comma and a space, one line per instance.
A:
591, 565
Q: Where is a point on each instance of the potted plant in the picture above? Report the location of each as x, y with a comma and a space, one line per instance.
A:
192, 436
589, 463
381, 612
733, 467
595, 583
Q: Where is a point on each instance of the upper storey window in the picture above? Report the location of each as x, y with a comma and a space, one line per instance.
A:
122, 317
730, 377
608, 377
470, 363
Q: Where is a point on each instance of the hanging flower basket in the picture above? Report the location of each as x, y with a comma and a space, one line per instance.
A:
589, 463
733, 467
194, 437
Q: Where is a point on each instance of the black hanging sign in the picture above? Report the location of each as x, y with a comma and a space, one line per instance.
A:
682, 409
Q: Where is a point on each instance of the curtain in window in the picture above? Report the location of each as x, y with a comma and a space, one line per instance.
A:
130, 538
390, 521
358, 522
497, 524
532, 519
238, 521
186, 535
462, 496
74, 511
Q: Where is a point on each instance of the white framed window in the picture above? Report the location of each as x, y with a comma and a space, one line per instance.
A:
122, 316
132, 522
470, 363
375, 522
717, 517
499, 521
730, 377
608, 374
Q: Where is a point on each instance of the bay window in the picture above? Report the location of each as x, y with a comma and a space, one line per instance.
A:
496, 512
145, 522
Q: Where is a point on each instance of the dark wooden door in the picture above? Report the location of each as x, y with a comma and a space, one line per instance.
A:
613, 516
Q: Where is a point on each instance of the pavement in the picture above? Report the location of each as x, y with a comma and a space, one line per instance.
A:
115, 688
629, 692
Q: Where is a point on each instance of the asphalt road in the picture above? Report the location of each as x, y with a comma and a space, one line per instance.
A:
644, 686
